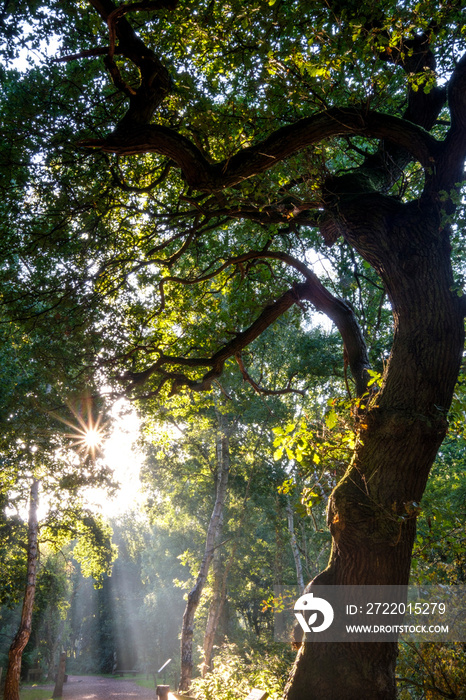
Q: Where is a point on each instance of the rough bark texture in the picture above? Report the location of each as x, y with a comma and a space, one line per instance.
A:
11, 691
58, 690
370, 512
212, 540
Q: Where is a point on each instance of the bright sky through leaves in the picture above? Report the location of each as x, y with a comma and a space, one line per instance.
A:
121, 455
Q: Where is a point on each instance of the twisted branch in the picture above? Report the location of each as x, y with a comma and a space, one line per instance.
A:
311, 290
284, 142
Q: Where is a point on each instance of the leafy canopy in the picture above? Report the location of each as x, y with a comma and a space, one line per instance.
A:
175, 170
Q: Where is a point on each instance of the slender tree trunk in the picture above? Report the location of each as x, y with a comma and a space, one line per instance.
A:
11, 691
294, 546
52, 665
212, 537
370, 512
215, 611
220, 590
216, 607
58, 690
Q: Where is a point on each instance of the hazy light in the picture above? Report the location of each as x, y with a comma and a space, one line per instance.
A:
120, 453
114, 442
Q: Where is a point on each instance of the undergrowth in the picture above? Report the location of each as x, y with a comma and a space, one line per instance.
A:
238, 670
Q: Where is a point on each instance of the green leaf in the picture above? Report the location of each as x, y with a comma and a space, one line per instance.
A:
331, 419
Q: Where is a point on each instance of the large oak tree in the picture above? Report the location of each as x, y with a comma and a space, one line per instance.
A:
179, 162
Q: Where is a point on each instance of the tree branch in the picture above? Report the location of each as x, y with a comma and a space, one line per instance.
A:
119, 12
260, 390
88, 53
208, 177
415, 56
155, 81
217, 361
311, 290
118, 180
450, 166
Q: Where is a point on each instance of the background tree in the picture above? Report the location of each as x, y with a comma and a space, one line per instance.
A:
11, 691
253, 551
37, 458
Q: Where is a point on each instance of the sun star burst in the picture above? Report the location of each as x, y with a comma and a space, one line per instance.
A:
88, 434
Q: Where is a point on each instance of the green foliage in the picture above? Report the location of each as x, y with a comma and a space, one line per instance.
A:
437, 670
237, 671
431, 671
136, 611
322, 450
94, 550
12, 560
34, 442
439, 553
250, 70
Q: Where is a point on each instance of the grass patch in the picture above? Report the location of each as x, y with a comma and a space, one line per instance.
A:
35, 694
144, 682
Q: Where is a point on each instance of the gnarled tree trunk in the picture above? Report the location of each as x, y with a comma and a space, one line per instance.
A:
370, 511
15, 653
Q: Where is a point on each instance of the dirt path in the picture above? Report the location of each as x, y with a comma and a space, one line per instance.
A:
95, 688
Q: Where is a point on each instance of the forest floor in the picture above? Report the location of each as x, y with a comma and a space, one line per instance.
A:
97, 688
